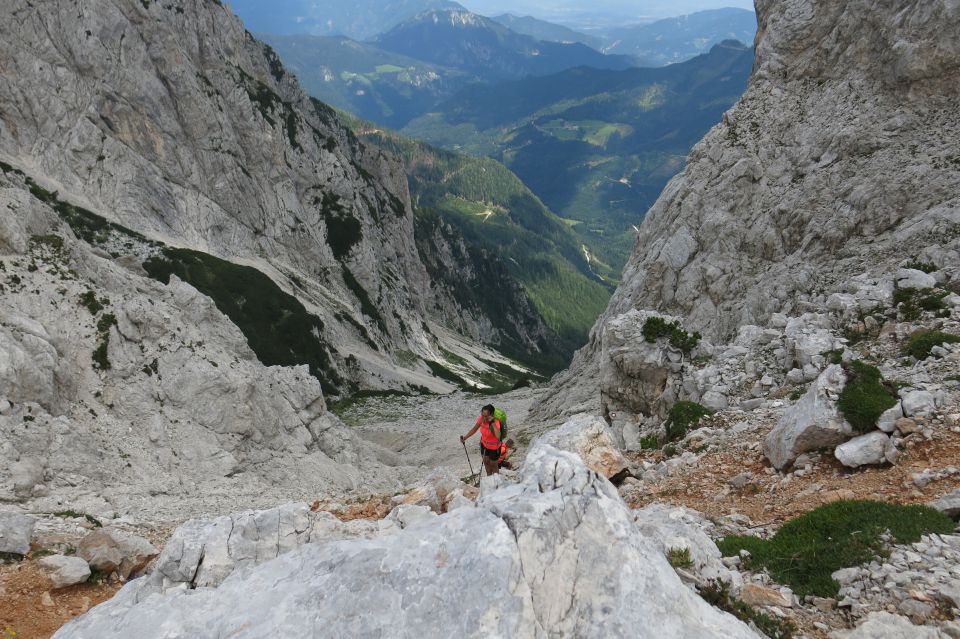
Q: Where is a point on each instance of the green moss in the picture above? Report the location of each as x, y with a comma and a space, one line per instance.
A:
657, 327
717, 594
807, 550
277, 326
920, 343
682, 416
864, 397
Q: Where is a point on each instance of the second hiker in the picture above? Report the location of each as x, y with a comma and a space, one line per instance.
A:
492, 430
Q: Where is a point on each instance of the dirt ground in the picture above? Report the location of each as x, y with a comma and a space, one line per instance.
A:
30, 609
767, 502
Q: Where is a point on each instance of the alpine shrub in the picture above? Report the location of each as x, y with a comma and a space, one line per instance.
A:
920, 343
682, 416
864, 397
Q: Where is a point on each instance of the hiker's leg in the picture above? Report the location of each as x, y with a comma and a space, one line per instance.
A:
491, 466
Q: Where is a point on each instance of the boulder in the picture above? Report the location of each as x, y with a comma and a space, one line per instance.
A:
948, 504
912, 278
435, 491
111, 550
589, 437
15, 533
872, 448
65, 571
917, 403
813, 422
757, 595
556, 554
887, 422
884, 625
405, 515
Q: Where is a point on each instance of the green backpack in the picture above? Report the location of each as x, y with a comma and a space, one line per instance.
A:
501, 416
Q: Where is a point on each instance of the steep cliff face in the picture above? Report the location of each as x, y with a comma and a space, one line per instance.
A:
840, 160
171, 119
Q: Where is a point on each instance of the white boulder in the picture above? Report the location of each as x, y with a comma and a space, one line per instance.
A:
913, 278
65, 571
872, 448
918, 403
884, 625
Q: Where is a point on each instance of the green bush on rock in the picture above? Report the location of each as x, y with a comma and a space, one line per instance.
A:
682, 416
864, 397
656, 327
807, 550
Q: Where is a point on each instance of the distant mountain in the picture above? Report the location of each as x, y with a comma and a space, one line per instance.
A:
385, 87
678, 39
357, 19
597, 146
504, 225
546, 31
478, 45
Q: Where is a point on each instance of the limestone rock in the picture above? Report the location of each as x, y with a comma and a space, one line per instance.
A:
589, 437
15, 533
883, 625
872, 448
110, 550
948, 504
756, 595
670, 528
887, 422
912, 278
813, 422
917, 403
65, 571
493, 570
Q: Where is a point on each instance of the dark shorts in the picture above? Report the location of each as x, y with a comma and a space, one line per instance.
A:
493, 454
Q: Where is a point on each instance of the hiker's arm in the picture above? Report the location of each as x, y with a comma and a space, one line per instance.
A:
496, 430
473, 430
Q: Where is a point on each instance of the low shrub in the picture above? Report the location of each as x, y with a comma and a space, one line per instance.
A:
864, 397
656, 327
920, 343
917, 265
682, 416
807, 550
911, 303
679, 557
649, 442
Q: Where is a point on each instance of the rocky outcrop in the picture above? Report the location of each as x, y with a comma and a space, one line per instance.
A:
838, 161
118, 387
884, 625
872, 448
176, 122
490, 570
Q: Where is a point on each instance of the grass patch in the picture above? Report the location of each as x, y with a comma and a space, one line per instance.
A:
717, 594
277, 326
441, 371
807, 550
865, 396
367, 306
682, 416
89, 301
920, 343
917, 265
657, 327
679, 557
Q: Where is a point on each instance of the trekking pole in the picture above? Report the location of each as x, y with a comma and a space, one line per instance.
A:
468, 456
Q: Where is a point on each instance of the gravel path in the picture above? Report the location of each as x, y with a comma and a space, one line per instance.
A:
426, 430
